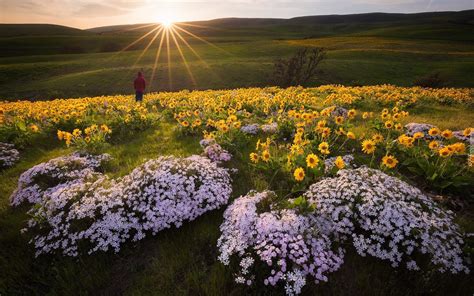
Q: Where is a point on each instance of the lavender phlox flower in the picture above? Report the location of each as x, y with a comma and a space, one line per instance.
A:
216, 153
95, 213
285, 241
8, 155
387, 218
270, 128
250, 129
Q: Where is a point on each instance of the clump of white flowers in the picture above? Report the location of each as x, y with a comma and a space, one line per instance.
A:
379, 215
290, 245
270, 128
461, 136
214, 151
8, 155
97, 213
387, 218
206, 142
337, 111
54, 174
250, 129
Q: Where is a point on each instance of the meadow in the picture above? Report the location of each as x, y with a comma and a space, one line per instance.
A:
45, 62
267, 139
357, 183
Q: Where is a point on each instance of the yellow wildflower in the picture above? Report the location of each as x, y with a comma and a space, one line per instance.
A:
323, 148
265, 155
445, 152
434, 131
433, 145
299, 174
254, 157
389, 161
339, 162
312, 160
447, 134
377, 138
368, 146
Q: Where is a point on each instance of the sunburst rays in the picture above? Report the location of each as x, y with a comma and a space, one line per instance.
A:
169, 35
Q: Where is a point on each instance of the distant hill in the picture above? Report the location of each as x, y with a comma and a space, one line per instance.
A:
120, 28
15, 30
44, 39
465, 17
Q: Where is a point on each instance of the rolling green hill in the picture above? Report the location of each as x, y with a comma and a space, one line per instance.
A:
16, 30
43, 62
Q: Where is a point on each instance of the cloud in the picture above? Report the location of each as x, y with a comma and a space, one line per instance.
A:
99, 10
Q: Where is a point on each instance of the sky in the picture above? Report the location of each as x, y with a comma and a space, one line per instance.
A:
94, 13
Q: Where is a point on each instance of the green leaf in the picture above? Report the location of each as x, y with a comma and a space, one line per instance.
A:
298, 201
21, 125
415, 170
445, 184
433, 177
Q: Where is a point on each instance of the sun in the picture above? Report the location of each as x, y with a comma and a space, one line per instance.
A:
166, 21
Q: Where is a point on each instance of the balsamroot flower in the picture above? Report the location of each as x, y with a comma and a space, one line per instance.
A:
434, 131
447, 134
265, 155
254, 157
389, 161
324, 148
299, 174
433, 145
368, 146
339, 162
312, 160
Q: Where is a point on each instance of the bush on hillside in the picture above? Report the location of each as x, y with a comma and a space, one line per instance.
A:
298, 69
433, 80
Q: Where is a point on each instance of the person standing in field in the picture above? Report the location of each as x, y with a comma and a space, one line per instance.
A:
139, 84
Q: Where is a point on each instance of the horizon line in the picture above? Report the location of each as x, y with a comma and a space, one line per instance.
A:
238, 17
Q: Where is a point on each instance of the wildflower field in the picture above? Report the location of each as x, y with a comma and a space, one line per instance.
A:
258, 191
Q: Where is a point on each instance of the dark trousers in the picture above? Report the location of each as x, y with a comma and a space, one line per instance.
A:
138, 96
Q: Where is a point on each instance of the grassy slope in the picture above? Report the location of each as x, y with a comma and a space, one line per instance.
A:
363, 49
183, 262
369, 60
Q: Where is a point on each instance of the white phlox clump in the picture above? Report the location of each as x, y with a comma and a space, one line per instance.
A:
96, 213
288, 244
387, 218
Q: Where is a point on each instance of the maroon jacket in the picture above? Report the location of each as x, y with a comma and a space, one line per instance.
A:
139, 83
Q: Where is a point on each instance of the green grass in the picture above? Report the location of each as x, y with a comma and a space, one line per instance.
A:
246, 64
184, 261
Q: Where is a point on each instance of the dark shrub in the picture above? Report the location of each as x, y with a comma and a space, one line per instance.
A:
433, 80
298, 69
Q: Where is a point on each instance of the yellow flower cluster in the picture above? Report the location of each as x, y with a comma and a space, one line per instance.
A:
334, 94
91, 135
